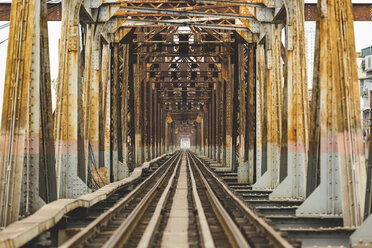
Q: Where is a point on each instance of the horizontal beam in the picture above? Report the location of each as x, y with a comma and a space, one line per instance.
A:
193, 55
199, 63
186, 13
54, 11
362, 12
178, 43
183, 71
182, 23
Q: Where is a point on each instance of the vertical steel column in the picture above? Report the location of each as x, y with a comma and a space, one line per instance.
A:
156, 124
114, 112
250, 138
224, 122
123, 165
213, 113
218, 121
71, 170
91, 96
340, 142
145, 127
240, 79
163, 130
272, 112
261, 123
106, 107
296, 105
210, 131
151, 122
130, 140
138, 110
227, 77
200, 126
26, 136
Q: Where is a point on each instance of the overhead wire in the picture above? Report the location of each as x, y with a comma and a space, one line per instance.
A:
1, 42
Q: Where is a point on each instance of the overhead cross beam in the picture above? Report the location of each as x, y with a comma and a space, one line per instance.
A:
182, 23
362, 12
187, 13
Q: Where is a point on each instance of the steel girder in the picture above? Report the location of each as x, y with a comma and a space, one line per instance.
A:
27, 172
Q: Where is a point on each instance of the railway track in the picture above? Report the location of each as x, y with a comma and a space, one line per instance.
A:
182, 204
312, 231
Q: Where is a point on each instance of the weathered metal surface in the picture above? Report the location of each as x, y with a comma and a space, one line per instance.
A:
362, 236
54, 11
261, 126
295, 108
339, 151
272, 109
361, 12
115, 117
136, 76
26, 138
105, 92
251, 106
68, 129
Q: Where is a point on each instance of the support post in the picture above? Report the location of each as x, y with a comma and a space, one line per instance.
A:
272, 110
295, 108
27, 172
339, 149
70, 165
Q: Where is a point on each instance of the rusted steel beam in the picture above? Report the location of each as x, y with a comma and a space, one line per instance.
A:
138, 117
220, 119
92, 104
115, 119
105, 99
209, 130
250, 106
184, 22
171, 12
68, 129
361, 12
257, 3
227, 77
338, 140
162, 130
272, 80
239, 75
54, 11
295, 109
261, 123
151, 120
26, 136
123, 169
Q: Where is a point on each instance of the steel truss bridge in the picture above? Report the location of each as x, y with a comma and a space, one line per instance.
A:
137, 77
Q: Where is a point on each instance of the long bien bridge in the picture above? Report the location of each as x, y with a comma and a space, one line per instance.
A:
183, 124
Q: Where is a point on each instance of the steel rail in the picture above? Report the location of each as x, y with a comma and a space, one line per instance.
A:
148, 235
234, 234
268, 231
205, 230
123, 233
91, 229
